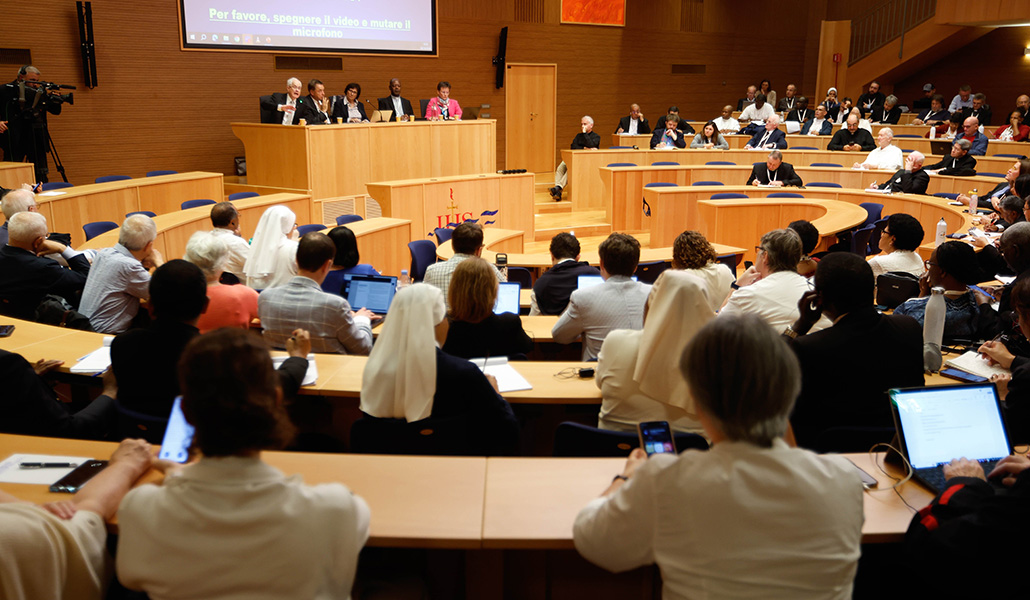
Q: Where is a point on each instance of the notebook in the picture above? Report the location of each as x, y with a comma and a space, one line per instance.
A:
937, 424
374, 292
508, 298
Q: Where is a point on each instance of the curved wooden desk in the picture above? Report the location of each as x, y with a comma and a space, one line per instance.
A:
13, 174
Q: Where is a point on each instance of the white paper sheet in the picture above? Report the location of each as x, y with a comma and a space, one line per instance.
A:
10, 473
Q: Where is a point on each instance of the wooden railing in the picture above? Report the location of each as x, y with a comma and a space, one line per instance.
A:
885, 23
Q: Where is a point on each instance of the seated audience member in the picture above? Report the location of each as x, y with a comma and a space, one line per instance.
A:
949, 129
843, 110
31, 407
475, 331
26, 277
886, 156
935, 115
668, 136
910, 179
120, 277
301, 304
14, 202
346, 260
928, 92
862, 122
466, 241
769, 137
144, 359
1014, 387
228, 305
710, 138
830, 102
789, 101
759, 112
771, 288
774, 172
726, 123
1023, 104
778, 522
409, 377
748, 99
959, 163
887, 114
844, 293
963, 99
952, 266
584, 140
819, 124
316, 108
765, 87
273, 251
552, 289
442, 107
637, 369
617, 303
991, 198
226, 222
852, 138
801, 113
809, 240
871, 99
898, 243
187, 535
1010, 211
1015, 131
971, 129
59, 549
981, 110
1014, 250
348, 108
284, 107
399, 105
692, 253
634, 123
682, 126
971, 524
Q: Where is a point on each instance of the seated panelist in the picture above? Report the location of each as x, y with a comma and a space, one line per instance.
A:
282, 108
349, 109
443, 107
400, 106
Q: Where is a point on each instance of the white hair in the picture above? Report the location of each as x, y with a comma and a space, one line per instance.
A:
588, 119
292, 79
207, 251
888, 131
26, 226
917, 157
17, 201
775, 119
137, 231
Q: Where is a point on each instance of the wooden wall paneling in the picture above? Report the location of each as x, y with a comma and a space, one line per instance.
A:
983, 12
834, 38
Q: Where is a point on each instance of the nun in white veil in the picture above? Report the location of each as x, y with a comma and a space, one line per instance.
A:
273, 252
638, 372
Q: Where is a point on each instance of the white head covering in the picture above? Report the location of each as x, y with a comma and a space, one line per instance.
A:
400, 376
272, 231
832, 89
677, 309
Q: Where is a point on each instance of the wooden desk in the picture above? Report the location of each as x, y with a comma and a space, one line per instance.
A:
338, 160
443, 201
13, 174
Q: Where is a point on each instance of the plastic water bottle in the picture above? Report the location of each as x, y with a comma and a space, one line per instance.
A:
933, 132
933, 330
403, 281
974, 202
942, 232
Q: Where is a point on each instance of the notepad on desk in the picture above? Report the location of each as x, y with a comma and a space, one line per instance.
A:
972, 362
508, 379
96, 361
10, 472
310, 377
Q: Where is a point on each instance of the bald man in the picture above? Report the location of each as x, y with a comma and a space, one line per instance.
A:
14, 202
971, 132
726, 123
634, 123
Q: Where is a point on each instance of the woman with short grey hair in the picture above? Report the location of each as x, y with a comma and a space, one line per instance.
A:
228, 305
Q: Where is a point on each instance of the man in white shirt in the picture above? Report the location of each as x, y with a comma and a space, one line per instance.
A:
726, 124
885, 157
226, 222
963, 99
759, 112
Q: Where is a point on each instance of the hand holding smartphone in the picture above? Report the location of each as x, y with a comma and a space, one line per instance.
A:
656, 437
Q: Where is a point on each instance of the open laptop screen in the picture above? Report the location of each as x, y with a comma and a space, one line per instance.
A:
371, 292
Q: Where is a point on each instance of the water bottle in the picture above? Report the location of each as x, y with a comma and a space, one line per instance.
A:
933, 132
403, 281
933, 330
942, 232
974, 202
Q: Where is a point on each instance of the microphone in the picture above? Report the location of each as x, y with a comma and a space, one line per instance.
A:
21, 93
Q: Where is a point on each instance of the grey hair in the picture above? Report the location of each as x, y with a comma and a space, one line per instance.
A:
888, 131
917, 157
26, 226
17, 201
776, 154
588, 118
31, 69
294, 79
743, 377
207, 251
892, 100
137, 231
782, 249
964, 144
775, 119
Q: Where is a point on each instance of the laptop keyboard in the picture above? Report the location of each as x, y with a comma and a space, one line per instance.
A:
935, 477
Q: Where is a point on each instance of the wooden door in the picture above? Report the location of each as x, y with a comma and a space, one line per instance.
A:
530, 95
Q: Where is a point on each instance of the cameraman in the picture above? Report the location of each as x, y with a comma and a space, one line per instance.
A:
23, 124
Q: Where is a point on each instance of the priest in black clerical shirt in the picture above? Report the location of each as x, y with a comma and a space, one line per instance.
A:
774, 172
959, 164
910, 180
852, 138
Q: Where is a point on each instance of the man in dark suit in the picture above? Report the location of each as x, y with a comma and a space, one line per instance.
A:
282, 108
634, 123
552, 289
669, 135
935, 115
959, 164
774, 172
683, 126
394, 102
871, 99
910, 180
889, 113
852, 138
770, 137
314, 109
844, 293
981, 110
800, 112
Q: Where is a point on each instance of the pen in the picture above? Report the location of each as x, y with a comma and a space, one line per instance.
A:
47, 465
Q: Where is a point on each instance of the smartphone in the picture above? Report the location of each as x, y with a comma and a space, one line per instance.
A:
656, 437
963, 376
868, 481
73, 481
502, 259
6, 330
178, 435
748, 264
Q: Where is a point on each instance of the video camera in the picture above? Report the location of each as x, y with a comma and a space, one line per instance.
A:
33, 97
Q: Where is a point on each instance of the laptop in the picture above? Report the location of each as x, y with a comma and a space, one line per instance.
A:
374, 292
508, 298
585, 281
379, 116
940, 423
941, 147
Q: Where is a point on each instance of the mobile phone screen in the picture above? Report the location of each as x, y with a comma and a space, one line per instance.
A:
656, 438
71, 482
178, 435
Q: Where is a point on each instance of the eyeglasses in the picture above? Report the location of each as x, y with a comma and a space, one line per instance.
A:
759, 249
928, 263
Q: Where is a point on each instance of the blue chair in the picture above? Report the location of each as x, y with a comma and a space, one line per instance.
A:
649, 272
94, 229
522, 276
906, 150
148, 213
784, 195
306, 229
658, 184
423, 254
56, 185
573, 440
242, 195
159, 173
804, 148
708, 183
728, 196
442, 234
987, 174
196, 203
873, 211
860, 240
621, 165
825, 165
109, 178
344, 219
620, 147
665, 163
824, 184
721, 162
730, 260
908, 135
948, 195
874, 240
1015, 156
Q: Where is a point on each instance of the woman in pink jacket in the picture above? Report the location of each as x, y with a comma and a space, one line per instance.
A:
443, 107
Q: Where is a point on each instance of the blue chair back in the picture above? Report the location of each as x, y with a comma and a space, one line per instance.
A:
621, 165
860, 240
242, 195
442, 234
423, 254
56, 185
649, 272
804, 148
873, 210
305, 229
728, 196
825, 165
708, 183
109, 178
874, 239
948, 195
665, 163
658, 184
344, 219
159, 173
94, 229
522, 276
908, 135
148, 213
825, 184
620, 147
721, 162
573, 440
989, 174
784, 195
1015, 156
196, 203
132, 424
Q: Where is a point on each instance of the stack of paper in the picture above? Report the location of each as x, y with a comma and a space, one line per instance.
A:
11, 473
97, 361
508, 379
